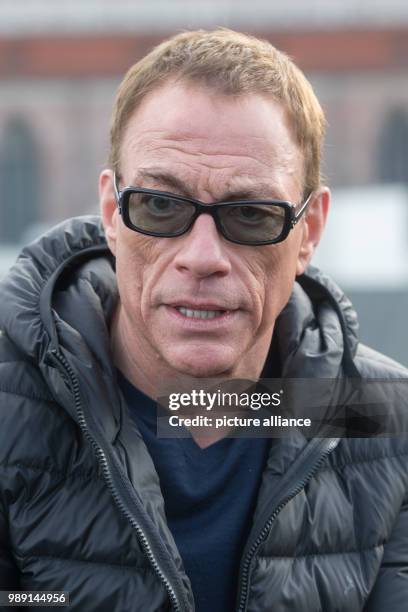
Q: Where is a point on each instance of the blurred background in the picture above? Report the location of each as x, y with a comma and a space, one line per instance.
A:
60, 64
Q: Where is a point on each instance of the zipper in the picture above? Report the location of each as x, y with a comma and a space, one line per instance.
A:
243, 581
104, 464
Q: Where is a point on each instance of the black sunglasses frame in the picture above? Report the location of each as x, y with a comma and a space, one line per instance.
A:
291, 217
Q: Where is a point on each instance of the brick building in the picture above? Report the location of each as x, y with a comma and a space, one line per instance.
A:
60, 64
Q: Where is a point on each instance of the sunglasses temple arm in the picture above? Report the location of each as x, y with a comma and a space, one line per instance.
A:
116, 190
297, 216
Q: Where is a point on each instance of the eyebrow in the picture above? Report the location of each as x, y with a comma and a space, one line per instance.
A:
164, 178
254, 190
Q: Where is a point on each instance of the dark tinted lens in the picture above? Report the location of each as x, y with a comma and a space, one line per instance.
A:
252, 223
159, 214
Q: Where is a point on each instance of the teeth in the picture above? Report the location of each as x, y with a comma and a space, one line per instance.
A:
199, 314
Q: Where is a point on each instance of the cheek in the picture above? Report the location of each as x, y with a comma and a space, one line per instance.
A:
133, 257
141, 264
278, 275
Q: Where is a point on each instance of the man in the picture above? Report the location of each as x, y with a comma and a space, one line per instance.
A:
95, 318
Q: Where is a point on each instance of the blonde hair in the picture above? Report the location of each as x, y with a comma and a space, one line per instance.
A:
229, 63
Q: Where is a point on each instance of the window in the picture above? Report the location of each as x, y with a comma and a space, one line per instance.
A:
393, 148
19, 180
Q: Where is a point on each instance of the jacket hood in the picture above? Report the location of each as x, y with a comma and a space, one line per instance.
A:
42, 272
61, 292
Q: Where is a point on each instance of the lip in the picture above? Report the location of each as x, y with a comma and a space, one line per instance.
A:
195, 305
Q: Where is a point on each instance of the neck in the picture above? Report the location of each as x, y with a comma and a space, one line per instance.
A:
134, 356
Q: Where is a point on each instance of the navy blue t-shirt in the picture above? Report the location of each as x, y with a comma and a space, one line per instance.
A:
210, 496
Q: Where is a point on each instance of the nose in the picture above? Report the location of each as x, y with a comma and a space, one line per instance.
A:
202, 252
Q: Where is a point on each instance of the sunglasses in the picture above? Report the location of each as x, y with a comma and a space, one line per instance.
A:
165, 215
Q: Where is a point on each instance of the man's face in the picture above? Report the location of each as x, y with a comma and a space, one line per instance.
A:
190, 141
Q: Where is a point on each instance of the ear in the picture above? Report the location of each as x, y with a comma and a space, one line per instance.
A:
312, 226
108, 207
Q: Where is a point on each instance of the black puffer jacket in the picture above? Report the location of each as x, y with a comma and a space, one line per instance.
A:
80, 502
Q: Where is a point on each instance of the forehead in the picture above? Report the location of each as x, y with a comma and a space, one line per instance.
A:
207, 138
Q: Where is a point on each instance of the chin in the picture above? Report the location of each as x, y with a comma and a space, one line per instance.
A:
201, 364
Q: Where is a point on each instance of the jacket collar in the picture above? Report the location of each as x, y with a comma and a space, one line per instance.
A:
61, 292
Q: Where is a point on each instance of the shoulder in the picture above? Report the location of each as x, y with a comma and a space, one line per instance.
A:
373, 364
36, 433
379, 401
20, 376
382, 397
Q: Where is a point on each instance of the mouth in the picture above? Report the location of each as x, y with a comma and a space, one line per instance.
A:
201, 313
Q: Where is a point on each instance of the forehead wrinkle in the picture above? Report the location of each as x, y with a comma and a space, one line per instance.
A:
202, 147
237, 187
221, 162
162, 174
